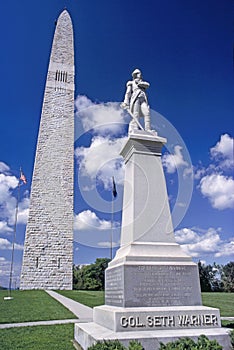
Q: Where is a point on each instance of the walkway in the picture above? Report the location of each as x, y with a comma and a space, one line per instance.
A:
37, 323
84, 313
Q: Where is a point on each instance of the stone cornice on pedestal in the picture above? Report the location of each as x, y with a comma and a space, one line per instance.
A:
143, 142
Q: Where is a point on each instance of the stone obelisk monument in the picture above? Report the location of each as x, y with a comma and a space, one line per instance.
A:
48, 249
152, 290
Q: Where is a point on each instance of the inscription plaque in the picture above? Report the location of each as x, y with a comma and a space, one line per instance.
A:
152, 285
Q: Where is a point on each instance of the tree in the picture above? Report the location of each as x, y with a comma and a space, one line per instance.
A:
228, 277
90, 277
77, 277
204, 277
210, 277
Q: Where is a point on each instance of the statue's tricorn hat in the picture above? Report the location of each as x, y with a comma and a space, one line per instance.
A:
135, 72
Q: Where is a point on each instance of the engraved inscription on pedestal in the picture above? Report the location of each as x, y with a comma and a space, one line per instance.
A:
152, 285
152, 318
114, 291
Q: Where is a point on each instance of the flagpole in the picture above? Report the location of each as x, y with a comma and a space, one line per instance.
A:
112, 215
114, 194
14, 237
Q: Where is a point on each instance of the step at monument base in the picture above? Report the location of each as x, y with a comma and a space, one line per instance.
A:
87, 334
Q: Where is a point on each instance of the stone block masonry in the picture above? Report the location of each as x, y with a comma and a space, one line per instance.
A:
48, 249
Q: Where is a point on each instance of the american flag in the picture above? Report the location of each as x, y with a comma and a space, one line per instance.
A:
114, 192
22, 177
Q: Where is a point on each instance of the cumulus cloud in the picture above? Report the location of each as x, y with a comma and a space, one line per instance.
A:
4, 168
106, 118
223, 151
23, 211
87, 220
108, 244
8, 184
4, 272
101, 159
216, 182
6, 245
227, 250
199, 173
7, 200
4, 228
199, 243
219, 189
93, 231
174, 161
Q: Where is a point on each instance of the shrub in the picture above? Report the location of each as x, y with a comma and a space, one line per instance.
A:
116, 345
135, 345
232, 338
107, 345
188, 344
203, 343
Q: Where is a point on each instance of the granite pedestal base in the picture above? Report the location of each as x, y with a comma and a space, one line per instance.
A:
86, 334
152, 284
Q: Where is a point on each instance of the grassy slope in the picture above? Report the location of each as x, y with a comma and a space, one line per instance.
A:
89, 298
223, 301
31, 306
58, 337
37, 305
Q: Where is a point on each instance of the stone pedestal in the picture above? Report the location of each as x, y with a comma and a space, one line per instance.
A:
152, 290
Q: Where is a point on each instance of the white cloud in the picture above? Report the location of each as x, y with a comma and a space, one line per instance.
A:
88, 220
219, 189
5, 270
23, 212
101, 160
199, 243
185, 235
105, 118
223, 151
174, 161
92, 231
6, 245
4, 228
227, 250
4, 167
107, 244
7, 200
8, 184
181, 204
199, 173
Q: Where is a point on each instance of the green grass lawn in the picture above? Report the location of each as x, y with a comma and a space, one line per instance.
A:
222, 301
29, 306
38, 305
88, 298
57, 337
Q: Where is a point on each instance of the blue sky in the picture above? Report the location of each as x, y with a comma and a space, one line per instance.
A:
184, 49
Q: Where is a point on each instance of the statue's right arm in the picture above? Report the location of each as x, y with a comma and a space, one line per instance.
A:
128, 94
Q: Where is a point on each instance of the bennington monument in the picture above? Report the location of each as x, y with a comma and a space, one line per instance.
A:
152, 288
48, 249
